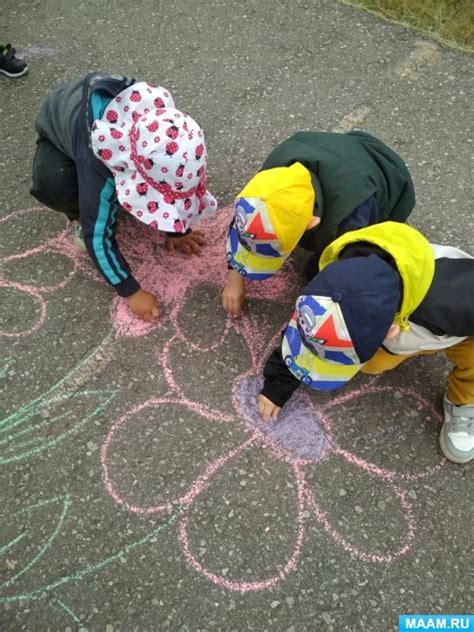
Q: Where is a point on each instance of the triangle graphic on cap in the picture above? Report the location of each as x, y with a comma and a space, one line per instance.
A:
257, 228
328, 332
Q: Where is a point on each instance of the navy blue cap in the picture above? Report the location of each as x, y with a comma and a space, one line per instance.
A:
368, 293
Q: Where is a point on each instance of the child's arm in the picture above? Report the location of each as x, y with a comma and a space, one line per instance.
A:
278, 387
99, 207
234, 293
363, 215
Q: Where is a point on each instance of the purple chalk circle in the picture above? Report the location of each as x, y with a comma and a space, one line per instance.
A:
297, 432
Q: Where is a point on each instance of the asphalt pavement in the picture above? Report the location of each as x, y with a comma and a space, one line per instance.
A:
138, 489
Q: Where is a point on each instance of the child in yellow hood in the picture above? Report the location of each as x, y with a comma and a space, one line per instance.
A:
312, 188
383, 294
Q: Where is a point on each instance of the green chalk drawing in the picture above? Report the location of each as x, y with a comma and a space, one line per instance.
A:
60, 604
13, 449
28, 429
5, 365
48, 397
66, 501
11, 544
43, 443
39, 593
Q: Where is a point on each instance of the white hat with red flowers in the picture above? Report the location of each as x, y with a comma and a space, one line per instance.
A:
158, 157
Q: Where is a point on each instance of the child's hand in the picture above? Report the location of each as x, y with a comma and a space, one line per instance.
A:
234, 293
190, 244
267, 409
144, 305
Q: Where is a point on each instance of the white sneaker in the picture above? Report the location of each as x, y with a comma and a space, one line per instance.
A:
77, 238
457, 434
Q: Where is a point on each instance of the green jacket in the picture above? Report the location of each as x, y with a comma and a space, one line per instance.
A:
347, 170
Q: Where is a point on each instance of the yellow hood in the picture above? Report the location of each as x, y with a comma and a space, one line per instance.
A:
410, 250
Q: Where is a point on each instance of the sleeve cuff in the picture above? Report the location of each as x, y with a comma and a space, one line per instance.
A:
127, 287
176, 235
277, 392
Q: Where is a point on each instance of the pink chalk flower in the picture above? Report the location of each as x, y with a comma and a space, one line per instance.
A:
249, 495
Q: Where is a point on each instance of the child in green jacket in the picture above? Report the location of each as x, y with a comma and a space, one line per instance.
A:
312, 188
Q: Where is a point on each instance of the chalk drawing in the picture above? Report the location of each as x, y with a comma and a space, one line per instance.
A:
63, 502
171, 275
301, 440
59, 604
58, 244
12, 450
18, 443
40, 592
37, 52
168, 275
5, 364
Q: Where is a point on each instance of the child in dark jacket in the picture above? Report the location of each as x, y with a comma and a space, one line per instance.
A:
312, 188
107, 142
384, 294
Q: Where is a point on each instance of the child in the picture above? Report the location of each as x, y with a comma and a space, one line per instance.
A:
11, 65
383, 295
312, 188
107, 141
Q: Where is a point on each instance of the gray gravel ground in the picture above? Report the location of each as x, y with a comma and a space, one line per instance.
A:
242, 551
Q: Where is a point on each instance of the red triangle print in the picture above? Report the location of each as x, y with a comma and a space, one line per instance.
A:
256, 228
327, 331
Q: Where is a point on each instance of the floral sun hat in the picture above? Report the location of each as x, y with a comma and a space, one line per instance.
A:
158, 157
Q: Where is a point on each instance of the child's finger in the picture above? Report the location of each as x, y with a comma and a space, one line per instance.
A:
275, 412
232, 307
198, 238
265, 412
196, 248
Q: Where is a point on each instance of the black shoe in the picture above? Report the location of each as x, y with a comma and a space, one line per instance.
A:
9, 64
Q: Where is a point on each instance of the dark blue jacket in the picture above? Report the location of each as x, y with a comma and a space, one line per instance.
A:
66, 119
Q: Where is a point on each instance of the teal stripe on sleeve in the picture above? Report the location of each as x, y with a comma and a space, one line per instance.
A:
99, 101
102, 235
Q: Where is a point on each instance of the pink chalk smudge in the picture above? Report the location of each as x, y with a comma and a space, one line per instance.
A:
170, 275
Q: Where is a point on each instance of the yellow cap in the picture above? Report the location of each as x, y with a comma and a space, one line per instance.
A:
289, 198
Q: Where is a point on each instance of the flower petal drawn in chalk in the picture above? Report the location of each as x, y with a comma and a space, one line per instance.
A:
19, 536
302, 443
38, 426
62, 261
